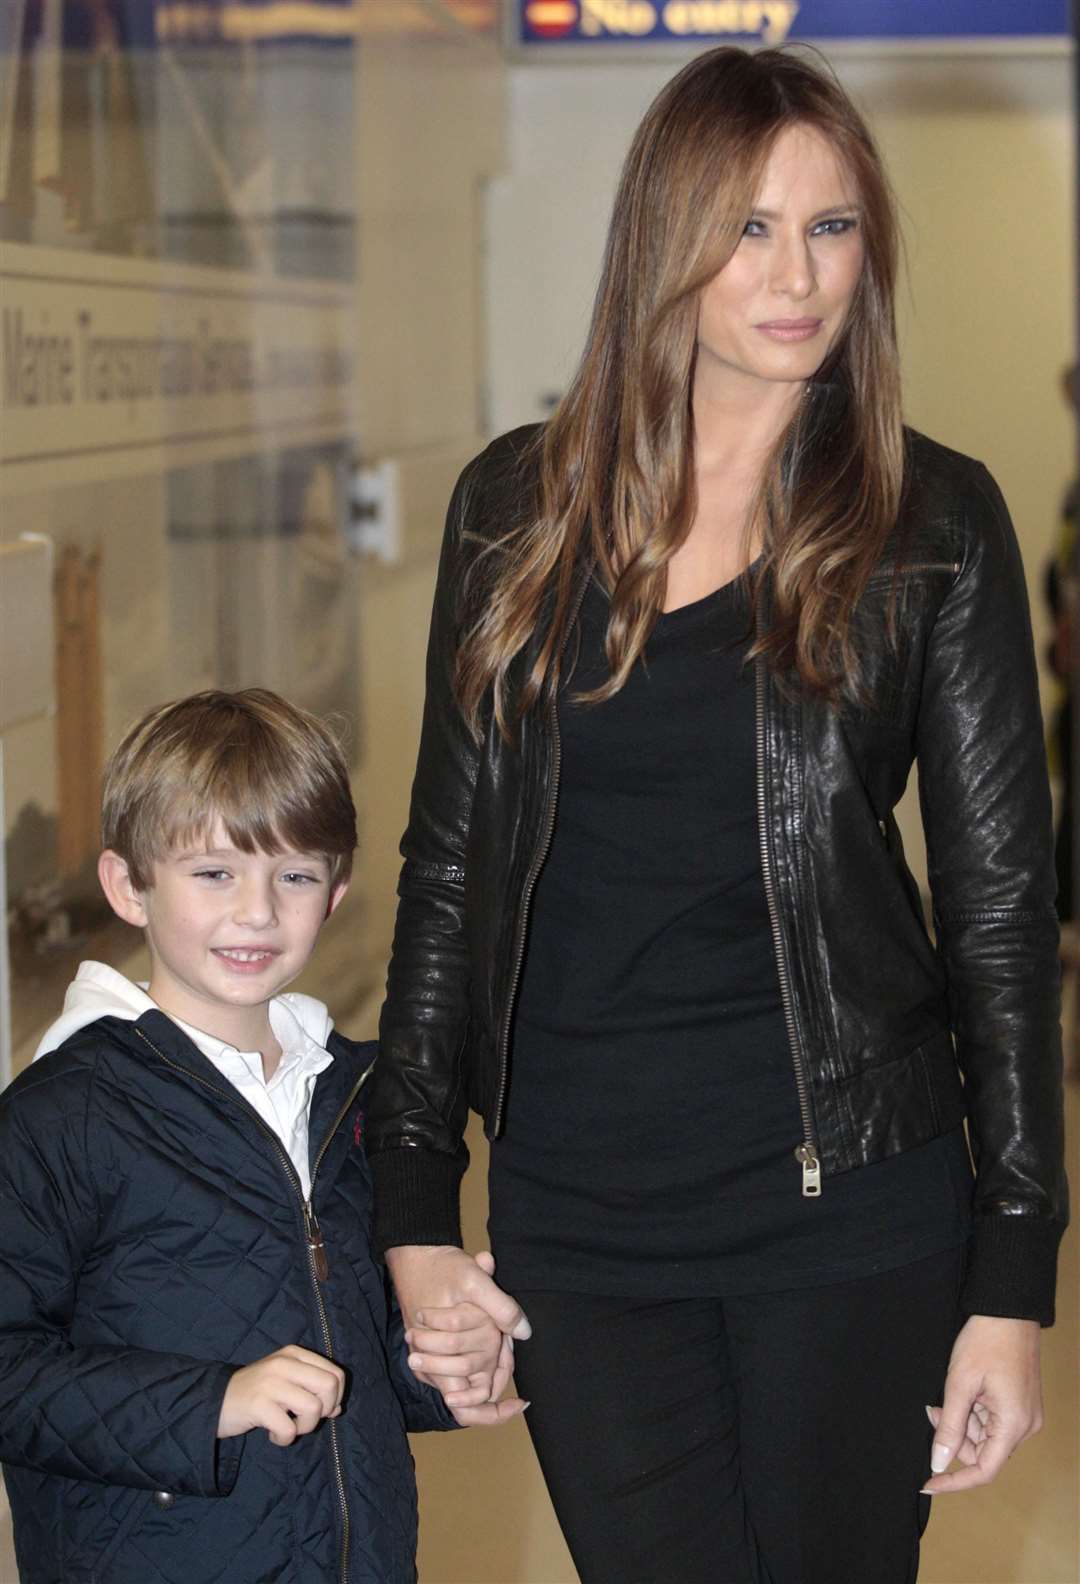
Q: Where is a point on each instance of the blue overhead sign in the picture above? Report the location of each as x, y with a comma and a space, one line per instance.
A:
560, 22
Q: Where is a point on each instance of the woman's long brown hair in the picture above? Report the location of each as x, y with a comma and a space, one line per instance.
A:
614, 478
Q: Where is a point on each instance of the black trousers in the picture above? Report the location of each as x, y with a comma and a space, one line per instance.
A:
775, 1439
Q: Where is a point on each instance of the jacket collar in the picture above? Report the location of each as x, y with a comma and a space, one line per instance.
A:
154, 1039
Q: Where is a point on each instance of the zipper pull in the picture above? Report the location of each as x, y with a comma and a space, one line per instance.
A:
315, 1244
811, 1171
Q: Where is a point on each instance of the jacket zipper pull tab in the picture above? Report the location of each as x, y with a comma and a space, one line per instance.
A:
811, 1171
316, 1244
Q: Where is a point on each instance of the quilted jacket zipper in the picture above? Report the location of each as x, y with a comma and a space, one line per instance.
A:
807, 1152
316, 1252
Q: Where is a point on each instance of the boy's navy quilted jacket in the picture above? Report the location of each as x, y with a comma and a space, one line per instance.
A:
152, 1239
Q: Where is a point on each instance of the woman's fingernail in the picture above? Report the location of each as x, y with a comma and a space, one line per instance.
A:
416, 1361
940, 1458
925, 1492
419, 1317
929, 1410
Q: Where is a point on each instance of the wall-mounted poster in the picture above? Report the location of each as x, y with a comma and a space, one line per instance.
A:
562, 23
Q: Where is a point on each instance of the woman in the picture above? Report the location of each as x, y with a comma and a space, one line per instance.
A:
656, 923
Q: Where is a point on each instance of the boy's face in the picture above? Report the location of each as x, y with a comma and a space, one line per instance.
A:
228, 929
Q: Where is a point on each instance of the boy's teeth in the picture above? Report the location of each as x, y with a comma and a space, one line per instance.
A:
246, 956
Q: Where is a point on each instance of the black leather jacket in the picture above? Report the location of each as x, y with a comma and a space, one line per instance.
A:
894, 1038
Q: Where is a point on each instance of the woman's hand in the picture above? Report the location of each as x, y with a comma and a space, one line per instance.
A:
993, 1401
460, 1328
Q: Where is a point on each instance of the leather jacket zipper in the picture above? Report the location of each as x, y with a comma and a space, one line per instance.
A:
806, 1153
317, 1261
539, 858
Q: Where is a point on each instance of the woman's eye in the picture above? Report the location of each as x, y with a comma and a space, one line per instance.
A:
835, 227
754, 228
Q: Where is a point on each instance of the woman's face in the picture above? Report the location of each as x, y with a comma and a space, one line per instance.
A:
781, 301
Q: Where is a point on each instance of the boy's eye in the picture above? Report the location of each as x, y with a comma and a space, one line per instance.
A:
211, 874
300, 877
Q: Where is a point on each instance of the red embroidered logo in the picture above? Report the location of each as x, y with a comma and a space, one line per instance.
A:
358, 1128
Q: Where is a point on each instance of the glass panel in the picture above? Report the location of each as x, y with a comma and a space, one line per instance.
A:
177, 213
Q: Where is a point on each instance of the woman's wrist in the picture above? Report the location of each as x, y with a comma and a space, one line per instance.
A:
417, 1198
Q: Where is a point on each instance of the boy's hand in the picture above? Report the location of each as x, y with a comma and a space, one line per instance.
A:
459, 1327
287, 1394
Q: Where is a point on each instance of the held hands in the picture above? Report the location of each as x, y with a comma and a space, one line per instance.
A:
460, 1328
287, 1393
993, 1401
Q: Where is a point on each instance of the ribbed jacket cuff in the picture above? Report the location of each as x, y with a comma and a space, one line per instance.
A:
417, 1197
1012, 1268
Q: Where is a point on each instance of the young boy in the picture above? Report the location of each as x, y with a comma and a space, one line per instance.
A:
184, 1201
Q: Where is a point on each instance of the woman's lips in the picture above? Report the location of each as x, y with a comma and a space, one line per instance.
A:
790, 329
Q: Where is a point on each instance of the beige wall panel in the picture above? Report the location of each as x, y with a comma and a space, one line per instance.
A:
429, 136
420, 385
428, 110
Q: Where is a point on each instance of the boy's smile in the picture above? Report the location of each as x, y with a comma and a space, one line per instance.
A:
227, 930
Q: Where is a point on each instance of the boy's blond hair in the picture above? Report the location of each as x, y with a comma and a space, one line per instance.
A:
274, 776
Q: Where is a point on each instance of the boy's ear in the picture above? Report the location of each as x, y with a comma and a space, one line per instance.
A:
336, 896
120, 893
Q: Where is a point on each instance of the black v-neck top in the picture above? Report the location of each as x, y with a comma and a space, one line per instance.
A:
653, 1115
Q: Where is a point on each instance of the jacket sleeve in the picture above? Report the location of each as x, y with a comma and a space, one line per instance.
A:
986, 812
118, 1414
418, 1108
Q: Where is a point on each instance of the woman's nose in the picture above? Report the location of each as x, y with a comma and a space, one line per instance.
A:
793, 268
